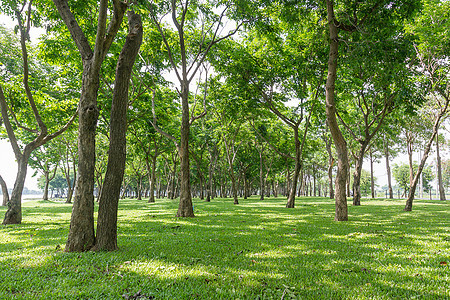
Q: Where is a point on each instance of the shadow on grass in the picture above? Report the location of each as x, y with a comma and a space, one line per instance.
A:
254, 250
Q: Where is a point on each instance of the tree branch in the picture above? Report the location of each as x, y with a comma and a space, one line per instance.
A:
74, 28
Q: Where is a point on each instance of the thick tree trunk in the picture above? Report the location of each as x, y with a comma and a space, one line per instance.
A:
388, 170
341, 212
5, 193
14, 213
106, 238
81, 234
439, 171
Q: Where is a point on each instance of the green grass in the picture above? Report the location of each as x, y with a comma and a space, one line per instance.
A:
255, 250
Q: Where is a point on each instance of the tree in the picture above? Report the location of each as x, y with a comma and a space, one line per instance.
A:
35, 137
81, 235
401, 176
106, 238
45, 160
433, 62
341, 211
186, 58
439, 171
5, 193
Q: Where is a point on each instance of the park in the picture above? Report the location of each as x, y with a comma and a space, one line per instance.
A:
224, 149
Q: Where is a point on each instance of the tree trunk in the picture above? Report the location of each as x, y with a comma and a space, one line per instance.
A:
47, 182
5, 193
341, 212
69, 195
152, 180
14, 213
262, 186
330, 176
81, 234
372, 183
439, 170
388, 170
106, 238
233, 185
210, 183
413, 185
185, 208
298, 166
357, 175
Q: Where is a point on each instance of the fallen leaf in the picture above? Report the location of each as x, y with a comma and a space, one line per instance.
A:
443, 263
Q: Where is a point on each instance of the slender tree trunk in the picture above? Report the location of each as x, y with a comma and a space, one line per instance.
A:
349, 194
341, 212
69, 195
47, 182
426, 152
372, 183
210, 182
388, 170
297, 169
152, 180
106, 238
5, 193
185, 208
439, 171
410, 160
261, 175
330, 176
357, 175
233, 186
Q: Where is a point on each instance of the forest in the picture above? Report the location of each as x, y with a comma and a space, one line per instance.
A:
221, 99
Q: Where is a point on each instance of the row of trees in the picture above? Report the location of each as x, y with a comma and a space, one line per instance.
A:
268, 95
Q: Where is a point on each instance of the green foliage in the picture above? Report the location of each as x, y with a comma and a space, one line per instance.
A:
257, 250
401, 176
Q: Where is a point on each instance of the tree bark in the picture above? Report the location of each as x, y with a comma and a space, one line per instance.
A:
298, 166
47, 182
439, 170
261, 174
185, 208
81, 234
357, 174
5, 193
106, 238
426, 152
372, 183
341, 211
14, 213
152, 179
388, 170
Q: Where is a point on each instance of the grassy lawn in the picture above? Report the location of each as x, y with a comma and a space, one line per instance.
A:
255, 250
